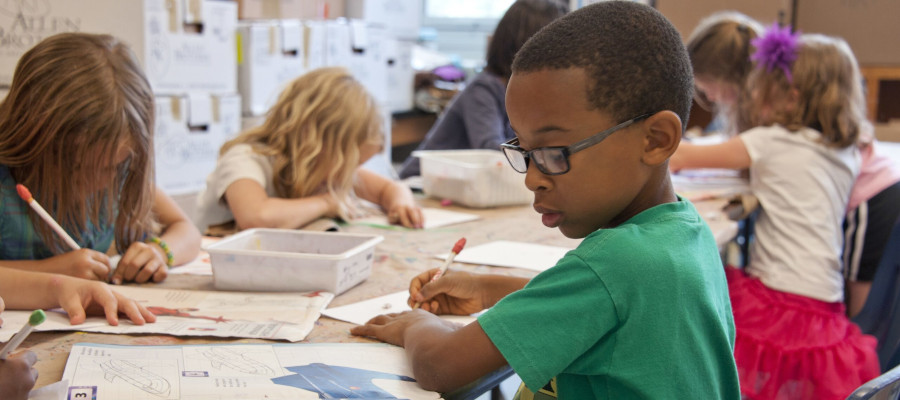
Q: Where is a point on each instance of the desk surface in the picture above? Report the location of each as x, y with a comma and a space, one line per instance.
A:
402, 255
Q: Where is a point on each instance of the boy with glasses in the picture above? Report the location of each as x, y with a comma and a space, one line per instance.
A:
640, 309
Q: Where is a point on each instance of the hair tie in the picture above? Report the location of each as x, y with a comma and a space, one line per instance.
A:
776, 48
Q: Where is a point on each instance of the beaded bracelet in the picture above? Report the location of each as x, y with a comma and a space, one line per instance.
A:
170, 258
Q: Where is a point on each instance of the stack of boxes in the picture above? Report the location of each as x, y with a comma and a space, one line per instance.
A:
187, 50
214, 75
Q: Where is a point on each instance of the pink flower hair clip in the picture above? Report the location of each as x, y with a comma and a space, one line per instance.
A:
777, 48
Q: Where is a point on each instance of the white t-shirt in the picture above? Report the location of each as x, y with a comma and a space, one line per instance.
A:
239, 162
803, 189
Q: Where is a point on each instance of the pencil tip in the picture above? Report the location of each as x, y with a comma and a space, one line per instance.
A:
24, 193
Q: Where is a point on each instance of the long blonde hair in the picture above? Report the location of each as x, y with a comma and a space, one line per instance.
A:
76, 99
829, 91
720, 49
313, 134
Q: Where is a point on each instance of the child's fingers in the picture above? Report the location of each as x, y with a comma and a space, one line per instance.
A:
105, 298
73, 307
148, 316
130, 309
161, 273
363, 330
149, 270
418, 219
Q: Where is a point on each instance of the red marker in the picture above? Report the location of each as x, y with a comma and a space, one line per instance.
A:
456, 249
25, 194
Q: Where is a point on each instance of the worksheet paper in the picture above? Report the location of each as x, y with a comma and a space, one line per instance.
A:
276, 316
504, 253
241, 371
361, 312
434, 218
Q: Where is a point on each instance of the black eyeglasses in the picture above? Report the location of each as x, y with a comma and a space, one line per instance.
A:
555, 160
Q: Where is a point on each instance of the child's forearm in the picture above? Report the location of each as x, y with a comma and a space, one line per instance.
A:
445, 356
23, 290
496, 287
183, 240
396, 193
288, 213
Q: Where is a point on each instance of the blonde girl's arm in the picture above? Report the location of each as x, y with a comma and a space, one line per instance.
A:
178, 232
395, 198
26, 290
253, 208
731, 154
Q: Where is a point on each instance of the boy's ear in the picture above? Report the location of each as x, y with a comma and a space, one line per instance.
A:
661, 138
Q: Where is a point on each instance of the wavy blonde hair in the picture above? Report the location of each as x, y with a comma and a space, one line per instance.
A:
720, 49
314, 132
76, 99
829, 86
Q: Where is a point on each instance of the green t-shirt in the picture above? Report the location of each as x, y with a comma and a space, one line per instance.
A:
637, 311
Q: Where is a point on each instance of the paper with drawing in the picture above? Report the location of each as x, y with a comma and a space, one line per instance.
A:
284, 316
504, 253
434, 218
359, 313
241, 371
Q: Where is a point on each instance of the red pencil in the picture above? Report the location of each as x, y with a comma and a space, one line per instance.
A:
456, 249
25, 194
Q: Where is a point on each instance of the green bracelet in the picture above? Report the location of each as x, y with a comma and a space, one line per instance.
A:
170, 258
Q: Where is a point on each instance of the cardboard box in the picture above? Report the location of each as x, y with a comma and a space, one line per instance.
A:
182, 44
190, 129
270, 56
402, 18
686, 16
867, 26
289, 9
314, 43
400, 75
289, 260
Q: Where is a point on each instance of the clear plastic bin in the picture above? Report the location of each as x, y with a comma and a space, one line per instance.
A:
473, 178
288, 260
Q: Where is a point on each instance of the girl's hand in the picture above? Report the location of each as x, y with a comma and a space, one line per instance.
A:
406, 214
82, 263
17, 375
80, 297
141, 263
456, 293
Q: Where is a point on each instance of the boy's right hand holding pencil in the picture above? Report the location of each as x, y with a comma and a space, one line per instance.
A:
459, 292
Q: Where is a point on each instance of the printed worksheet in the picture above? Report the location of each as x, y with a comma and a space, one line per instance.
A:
277, 316
504, 253
361, 312
434, 218
241, 371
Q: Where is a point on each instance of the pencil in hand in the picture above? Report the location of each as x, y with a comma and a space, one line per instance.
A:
25, 194
456, 249
37, 317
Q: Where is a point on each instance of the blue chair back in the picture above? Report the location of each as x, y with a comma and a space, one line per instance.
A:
880, 316
884, 387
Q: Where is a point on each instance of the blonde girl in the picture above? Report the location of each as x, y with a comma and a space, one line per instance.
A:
76, 129
794, 340
303, 162
720, 50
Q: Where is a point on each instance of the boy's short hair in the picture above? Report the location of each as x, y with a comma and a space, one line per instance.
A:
635, 59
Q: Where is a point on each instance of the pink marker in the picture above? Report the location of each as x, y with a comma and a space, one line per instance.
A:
25, 194
456, 249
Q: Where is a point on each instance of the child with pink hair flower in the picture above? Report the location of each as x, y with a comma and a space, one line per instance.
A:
794, 340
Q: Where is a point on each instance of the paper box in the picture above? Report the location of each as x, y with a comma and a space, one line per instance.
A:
271, 55
367, 59
473, 178
182, 44
338, 43
402, 18
314, 43
400, 75
292, 260
190, 129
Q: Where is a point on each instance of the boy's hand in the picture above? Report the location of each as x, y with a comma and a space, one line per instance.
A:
82, 263
17, 375
408, 215
141, 263
80, 297
390, 328
456, 292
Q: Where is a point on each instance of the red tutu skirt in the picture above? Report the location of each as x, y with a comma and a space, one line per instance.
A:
793, 347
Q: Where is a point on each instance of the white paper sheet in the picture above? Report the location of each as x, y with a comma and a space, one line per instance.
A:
241, 371
434, 218
504, 253
359, 313
284, 316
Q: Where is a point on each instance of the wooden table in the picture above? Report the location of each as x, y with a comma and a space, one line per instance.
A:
402, 255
